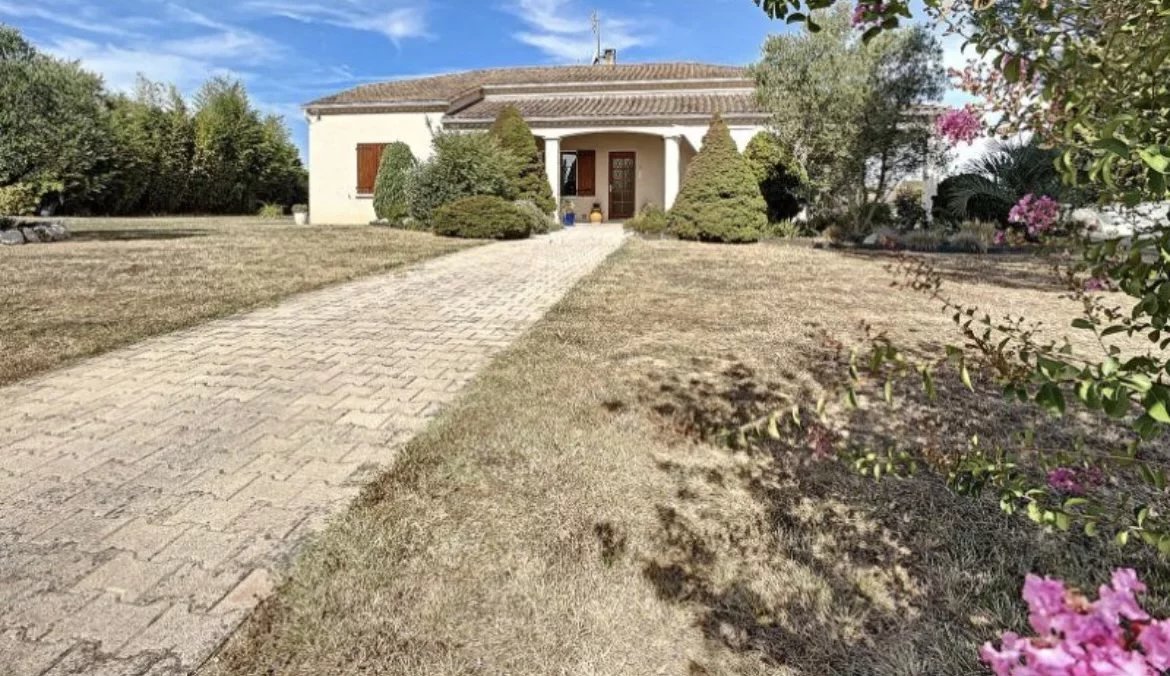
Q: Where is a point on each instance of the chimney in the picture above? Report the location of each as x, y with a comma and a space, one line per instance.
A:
609, 57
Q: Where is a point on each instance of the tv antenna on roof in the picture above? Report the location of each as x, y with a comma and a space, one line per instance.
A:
596, 20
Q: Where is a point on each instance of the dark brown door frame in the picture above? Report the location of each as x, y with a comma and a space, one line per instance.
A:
633, 178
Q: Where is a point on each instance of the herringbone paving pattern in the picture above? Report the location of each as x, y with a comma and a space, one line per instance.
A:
149, 497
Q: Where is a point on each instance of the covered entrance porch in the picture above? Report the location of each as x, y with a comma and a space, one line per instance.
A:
617, 171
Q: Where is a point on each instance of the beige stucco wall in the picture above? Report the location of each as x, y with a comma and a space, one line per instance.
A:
333, 141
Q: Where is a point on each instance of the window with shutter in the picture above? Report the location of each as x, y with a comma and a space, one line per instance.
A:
369, 156
586, 173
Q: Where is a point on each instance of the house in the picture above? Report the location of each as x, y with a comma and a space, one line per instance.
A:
618, 135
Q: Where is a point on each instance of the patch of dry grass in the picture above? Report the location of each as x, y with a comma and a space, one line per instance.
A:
564, 517
121, 280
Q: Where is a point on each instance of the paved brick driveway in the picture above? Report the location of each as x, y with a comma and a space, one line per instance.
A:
146, 495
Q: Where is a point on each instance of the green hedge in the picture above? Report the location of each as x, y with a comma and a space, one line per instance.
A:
482, 217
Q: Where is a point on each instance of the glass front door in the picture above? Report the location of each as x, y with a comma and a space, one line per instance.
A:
622, 173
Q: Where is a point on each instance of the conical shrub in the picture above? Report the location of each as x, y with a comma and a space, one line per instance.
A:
720, 199
516, 137
390, 187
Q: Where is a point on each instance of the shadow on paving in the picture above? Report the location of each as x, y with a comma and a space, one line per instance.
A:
135, 234
805, 564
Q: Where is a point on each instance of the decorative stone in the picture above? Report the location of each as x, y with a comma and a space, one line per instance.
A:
11, 237
30, 235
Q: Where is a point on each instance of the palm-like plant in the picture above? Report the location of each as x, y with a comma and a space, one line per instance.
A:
991, 185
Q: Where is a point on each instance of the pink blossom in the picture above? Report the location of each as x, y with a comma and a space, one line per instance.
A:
1095, 284
1112, 636
1155, 641
1000, 238
1119, 600
1037, 213
867, 12
959, 125
1065, 480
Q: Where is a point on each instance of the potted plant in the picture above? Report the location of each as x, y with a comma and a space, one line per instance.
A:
570, 216
595, 214
300, 214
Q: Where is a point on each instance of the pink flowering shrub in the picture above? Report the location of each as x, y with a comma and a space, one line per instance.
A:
960, 125
1079, 637
867, 12
1037, 214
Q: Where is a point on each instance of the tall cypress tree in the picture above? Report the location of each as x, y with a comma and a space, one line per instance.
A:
720, 200
516, 137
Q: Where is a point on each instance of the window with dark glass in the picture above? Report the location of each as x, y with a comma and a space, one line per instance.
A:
569, 174
578, 169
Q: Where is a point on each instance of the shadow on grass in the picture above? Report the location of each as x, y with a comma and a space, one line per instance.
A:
135, 234
819, 568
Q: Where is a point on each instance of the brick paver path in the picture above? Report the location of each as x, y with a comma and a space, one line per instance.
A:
147, 495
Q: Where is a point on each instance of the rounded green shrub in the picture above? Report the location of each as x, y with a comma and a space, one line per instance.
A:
390, 187
482, 217
463, 165
529, 180
720, 200
541, 221
651, 220
19, 199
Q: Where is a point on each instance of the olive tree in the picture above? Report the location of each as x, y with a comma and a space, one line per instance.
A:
848, 109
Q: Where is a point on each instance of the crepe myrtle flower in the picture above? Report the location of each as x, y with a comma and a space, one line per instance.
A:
960, 125
1038, 214
867, 12
1075, 636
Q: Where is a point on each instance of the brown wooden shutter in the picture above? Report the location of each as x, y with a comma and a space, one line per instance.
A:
369, 156
586, 173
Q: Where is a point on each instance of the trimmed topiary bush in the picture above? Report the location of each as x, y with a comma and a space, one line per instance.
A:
651, 220
482, 217
390, 188
720, 200
542, 222
529, 181
463, 165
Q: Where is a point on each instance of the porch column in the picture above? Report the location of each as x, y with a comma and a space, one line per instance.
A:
671, 170
552, 167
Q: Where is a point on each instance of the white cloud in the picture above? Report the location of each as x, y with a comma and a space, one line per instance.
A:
76, 17
393, 20
563, 31
120, 66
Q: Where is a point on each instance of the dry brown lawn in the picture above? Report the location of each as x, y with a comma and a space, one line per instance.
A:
121, 280
563, 518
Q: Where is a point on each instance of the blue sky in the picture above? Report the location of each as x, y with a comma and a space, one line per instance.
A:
291, 51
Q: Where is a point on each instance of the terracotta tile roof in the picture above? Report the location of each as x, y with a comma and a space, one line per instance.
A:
730, 103
447, 88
